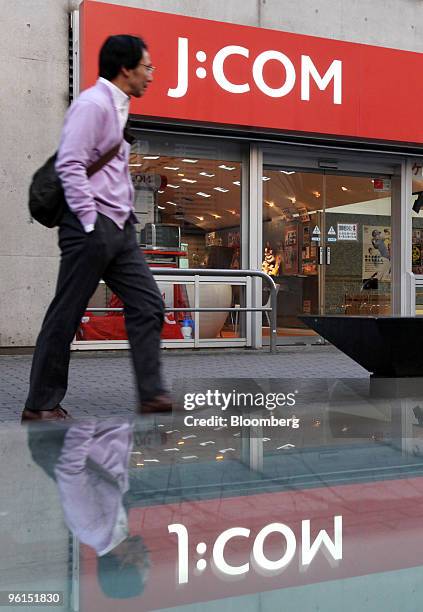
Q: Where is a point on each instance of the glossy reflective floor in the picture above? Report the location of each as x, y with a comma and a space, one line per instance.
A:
157, 514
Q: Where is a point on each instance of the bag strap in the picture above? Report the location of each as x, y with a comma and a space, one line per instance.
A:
104, 159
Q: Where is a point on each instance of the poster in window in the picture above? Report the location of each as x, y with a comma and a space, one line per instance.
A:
377, 252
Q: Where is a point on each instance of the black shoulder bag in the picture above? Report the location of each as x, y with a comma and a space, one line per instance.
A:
46, 197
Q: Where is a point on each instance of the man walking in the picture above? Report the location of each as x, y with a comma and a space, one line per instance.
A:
97, 236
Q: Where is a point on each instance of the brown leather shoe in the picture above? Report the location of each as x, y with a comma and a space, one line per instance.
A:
57, 414
161, 403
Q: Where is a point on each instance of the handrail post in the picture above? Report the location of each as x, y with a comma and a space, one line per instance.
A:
273, 319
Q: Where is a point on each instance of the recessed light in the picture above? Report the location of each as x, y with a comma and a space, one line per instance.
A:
286, 171
170, 168
221, 189
160, 191
173, 203
227, 167
151, 157
190, 161
265, 178
135, 165
203, 195
233, 212
237, 183
216, 216
293, 199
181, 174
173, 186
316, 194
200, 218
205, 174
161, 207
271, 204
184, 180
344, 189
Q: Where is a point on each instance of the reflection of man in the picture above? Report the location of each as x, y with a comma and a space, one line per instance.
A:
89, 461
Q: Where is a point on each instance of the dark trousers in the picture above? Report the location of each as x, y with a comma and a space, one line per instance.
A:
113, 255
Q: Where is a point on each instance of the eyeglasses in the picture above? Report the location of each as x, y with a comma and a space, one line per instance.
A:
149, 67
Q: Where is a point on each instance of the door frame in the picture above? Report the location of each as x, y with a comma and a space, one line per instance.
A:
327, 160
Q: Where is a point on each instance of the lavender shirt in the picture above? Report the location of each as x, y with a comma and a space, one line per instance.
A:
90, 130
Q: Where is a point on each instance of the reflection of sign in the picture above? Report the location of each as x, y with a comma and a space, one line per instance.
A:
316, 230
347, 231
382, 184
148, 181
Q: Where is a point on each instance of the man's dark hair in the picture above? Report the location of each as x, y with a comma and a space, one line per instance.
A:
120, 51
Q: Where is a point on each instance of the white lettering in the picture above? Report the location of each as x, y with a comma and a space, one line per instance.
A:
335, 548
308, 69
258, 552
219, 551
219, 74
290, 76
182, 87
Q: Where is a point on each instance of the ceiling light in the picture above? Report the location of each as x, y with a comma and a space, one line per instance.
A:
181, 174
316, 194
173, 203
215, 216
151, 156
271, 204
227, 167
265, 178
160, 191
205, 174
221, 189
140, 465
161, 207
135, 165
188, 180
200, 218
180, 442
286, 171
344, 189
173, 186
203, 195
293, 199
219, 457
295, 215
190, 161
170, 168
237, 183
233, 212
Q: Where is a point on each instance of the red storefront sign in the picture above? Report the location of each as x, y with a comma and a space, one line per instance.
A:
239, 75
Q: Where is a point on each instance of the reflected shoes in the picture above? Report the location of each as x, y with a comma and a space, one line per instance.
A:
160, 404
57, 414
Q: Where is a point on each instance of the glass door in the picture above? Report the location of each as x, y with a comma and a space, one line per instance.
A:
327, 244
357, 245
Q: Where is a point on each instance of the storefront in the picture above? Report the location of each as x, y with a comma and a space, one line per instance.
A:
257, 149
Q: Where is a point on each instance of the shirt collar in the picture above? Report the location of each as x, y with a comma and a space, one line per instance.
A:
120, 98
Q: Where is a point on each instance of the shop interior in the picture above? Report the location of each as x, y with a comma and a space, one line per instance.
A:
188, 202
327, 243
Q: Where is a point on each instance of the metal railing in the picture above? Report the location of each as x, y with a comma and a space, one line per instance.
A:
180, 274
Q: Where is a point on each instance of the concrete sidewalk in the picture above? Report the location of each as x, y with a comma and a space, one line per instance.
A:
102, 384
